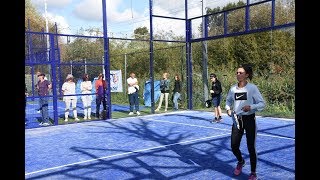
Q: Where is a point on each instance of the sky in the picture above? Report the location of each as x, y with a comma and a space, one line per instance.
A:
123, 16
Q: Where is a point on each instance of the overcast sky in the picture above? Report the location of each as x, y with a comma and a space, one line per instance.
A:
123, 16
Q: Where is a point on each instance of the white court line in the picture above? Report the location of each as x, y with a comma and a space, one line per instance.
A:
275, 136
261, 134
127, 153
150, 119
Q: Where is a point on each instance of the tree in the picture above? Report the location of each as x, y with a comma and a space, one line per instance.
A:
34, 19
141, 33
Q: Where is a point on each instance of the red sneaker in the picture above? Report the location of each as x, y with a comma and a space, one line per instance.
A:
238, 169
253, 176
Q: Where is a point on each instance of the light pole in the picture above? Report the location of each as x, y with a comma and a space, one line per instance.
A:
85, 66
47, 35
70, 67
125, 69
47, 26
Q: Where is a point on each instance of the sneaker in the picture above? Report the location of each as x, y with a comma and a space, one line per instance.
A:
38, 111
253, 176
40, 124
165, 110
214, 120
84, 118
89, 117
131, 113
156, 110
77, 119
45, 124
238, 169
219, 119
66, 120
138, 113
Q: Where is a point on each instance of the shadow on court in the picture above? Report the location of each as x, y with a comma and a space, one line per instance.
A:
135, 148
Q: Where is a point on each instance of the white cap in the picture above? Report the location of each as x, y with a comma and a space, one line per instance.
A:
69, 76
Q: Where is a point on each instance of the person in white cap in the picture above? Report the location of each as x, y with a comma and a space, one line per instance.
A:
69, 88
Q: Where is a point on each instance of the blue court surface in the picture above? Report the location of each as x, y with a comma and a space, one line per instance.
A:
177, 145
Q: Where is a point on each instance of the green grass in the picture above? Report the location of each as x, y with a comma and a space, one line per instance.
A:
268, 112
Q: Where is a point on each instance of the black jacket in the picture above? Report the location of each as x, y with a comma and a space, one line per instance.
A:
216, 87
177, 86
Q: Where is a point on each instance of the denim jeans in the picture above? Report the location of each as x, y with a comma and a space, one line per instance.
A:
44, 109
134, 101
176, 96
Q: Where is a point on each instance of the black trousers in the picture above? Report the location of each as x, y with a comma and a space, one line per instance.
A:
247, 124
100, 99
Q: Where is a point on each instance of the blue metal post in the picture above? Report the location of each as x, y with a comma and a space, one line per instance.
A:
30, 58
58, 60
273, 6
247, 21
206, 26
225, 23
106, 56
151, 58
53, 79
188, 59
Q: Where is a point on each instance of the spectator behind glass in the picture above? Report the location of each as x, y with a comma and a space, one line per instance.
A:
69, 88
86, 87
133, 95
43, 87
45, 78
101, 89
176, 92
164, 87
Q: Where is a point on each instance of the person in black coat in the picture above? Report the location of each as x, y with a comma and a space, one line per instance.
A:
215, 92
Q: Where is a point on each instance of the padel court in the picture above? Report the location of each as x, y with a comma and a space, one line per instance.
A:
176, 145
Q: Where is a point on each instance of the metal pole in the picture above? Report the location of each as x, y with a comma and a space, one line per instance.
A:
47, 35
106, 63
70, 67
125, 71
204, 59
85, 66
151, 56
47, 26
188, 57
104, 76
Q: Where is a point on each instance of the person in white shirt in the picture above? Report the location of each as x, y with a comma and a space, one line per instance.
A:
86, 87
69, 88
133, 89
243, 100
